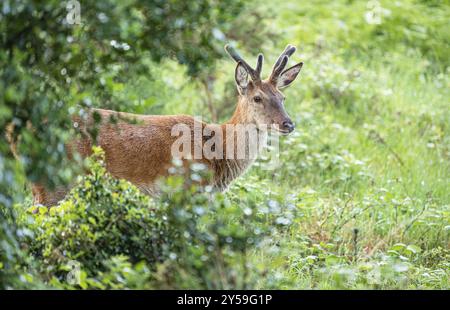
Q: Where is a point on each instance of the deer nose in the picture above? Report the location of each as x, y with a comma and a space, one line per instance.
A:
288, 125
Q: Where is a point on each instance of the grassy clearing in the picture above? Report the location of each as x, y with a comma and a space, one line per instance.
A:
369, 166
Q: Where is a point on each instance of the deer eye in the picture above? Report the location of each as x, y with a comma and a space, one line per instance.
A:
257, 99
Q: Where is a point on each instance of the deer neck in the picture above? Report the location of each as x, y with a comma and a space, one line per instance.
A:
240, 115
228, 169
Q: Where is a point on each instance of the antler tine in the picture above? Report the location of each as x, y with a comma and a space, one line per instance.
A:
289, 50
277, 71
281, 62
234, 54
259, 64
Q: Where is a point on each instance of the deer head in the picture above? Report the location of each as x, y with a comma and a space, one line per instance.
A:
261, 101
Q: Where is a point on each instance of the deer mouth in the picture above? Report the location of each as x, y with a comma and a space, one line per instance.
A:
282, 132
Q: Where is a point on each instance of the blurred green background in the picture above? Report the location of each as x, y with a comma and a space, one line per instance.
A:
361, 199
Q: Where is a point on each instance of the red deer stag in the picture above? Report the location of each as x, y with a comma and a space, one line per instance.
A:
141, 151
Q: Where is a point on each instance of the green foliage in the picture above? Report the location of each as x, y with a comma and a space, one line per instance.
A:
122, 239
213, 238
51, 70
8, 255
104, 217
360, 199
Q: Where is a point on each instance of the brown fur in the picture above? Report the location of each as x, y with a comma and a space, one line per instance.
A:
141, 152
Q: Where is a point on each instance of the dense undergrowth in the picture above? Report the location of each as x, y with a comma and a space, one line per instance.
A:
360, 199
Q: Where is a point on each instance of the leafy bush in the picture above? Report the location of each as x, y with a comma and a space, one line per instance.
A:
190, 238
102, 217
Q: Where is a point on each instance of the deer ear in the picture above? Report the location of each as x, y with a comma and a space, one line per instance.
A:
241, 77
289, 75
